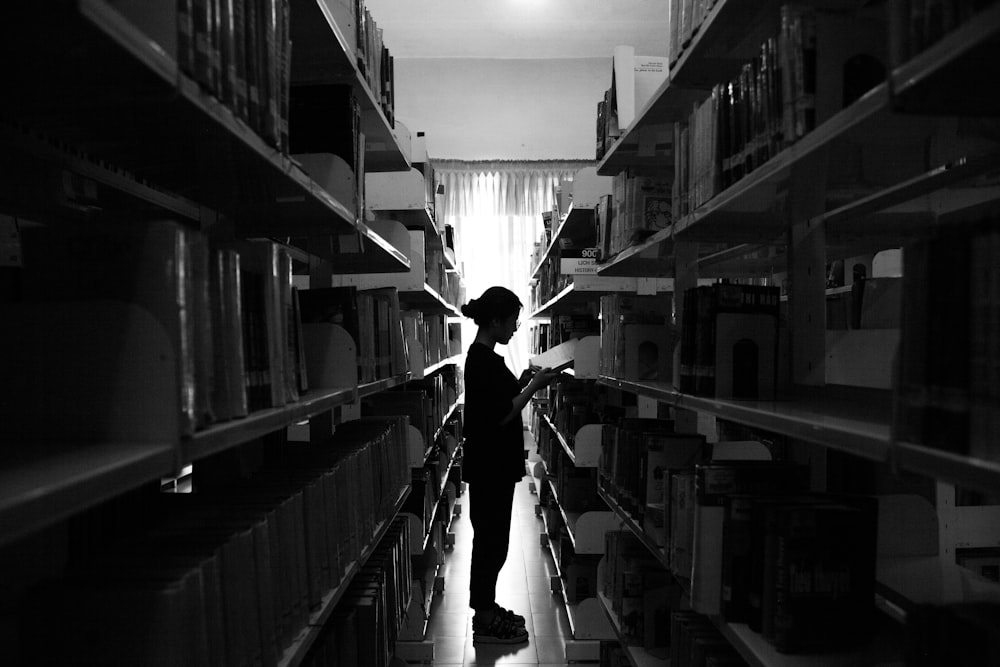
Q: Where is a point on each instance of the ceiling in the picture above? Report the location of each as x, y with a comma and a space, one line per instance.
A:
524, 29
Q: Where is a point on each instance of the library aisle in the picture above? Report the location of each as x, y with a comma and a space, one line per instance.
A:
523, 586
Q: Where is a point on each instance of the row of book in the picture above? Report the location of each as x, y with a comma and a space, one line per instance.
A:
228, 310
373, 319
640, 591
572, 405
443, 281
638, 337
696, 642
375, 62
240, 51
915, 25
685, 18
758, 548
438, 339
637, 456
424, 402
948, 392
640, 205
226, 575
363, 629
729, 341
748, 120
578, 572
575, 487
550, 280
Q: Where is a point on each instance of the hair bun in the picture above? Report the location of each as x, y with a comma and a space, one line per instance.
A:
470, 309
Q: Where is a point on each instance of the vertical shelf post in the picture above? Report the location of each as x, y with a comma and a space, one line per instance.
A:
804, 207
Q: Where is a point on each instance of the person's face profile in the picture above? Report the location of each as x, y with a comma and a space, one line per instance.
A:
506, 327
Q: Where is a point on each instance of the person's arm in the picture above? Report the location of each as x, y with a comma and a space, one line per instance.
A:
540, 379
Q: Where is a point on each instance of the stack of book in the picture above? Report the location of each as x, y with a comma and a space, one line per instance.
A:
228, 575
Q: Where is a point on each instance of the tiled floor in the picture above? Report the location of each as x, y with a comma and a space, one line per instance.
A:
523, 586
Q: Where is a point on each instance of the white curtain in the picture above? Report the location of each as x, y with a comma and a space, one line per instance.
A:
496, 211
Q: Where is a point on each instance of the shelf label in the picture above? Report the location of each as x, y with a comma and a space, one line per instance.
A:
578, 261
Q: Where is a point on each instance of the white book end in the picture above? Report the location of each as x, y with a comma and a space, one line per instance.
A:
415, 446
396, 190
331, 356
588, 358
94, 371
332, 174
590, 528
587, 445
588, 187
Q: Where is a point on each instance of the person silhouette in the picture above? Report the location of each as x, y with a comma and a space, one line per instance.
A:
493, 456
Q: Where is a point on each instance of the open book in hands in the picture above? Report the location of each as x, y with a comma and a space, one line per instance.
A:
558, 358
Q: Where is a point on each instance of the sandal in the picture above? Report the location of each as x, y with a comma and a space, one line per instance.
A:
501, 630
517, 619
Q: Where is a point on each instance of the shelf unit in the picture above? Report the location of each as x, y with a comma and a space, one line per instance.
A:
111, 111
811, 204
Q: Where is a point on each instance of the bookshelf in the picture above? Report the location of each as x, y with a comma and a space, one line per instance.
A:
842, 190
113, 128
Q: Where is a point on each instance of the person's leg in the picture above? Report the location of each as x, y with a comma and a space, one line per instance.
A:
490, 514
492, 505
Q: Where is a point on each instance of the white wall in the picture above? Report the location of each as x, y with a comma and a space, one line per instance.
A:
485, 109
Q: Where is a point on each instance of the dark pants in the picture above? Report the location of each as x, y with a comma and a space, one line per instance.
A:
492, 504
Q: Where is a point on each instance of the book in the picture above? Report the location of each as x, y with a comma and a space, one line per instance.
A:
713, 483
557, 358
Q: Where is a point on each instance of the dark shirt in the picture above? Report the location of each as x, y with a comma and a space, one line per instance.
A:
492, 450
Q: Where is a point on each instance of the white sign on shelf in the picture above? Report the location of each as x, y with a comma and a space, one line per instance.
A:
577, 261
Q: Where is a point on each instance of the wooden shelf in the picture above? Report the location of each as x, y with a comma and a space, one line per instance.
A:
225, 435
578, 224
43, 484
321, 54
295, 654
951, 76
859, 427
